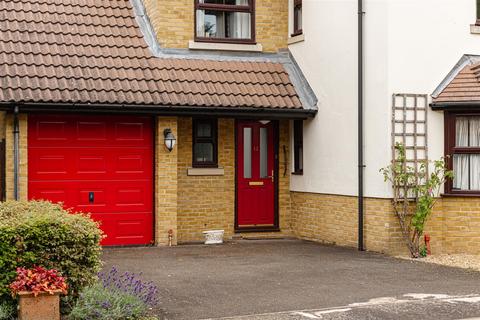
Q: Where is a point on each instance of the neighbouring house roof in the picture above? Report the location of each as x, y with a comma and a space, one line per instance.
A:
91, 52
461, 87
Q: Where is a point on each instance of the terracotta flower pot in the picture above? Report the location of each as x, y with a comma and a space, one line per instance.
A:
44, 306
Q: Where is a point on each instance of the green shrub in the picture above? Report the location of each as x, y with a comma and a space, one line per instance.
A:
44, 234
104, 303
7, 310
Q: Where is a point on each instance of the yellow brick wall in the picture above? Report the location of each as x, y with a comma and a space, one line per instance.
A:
208, 202
205, 202
454, 226
23, 167
272, 24
173, 21
166, 186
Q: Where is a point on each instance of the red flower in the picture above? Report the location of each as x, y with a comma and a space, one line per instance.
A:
37, 280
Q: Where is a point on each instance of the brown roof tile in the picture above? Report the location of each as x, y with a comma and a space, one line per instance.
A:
92, 51
464, 87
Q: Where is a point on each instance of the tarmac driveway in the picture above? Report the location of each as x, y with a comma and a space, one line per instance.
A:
256, 277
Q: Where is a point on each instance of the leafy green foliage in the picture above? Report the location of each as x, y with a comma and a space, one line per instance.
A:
108, 303
414, 193
44, 234
423, 251
7, 310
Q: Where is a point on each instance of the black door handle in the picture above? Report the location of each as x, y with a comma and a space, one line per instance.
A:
91, 197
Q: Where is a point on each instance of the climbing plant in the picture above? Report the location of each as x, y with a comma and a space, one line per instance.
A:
415, 192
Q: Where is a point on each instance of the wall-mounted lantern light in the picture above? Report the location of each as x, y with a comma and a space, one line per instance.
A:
169, 139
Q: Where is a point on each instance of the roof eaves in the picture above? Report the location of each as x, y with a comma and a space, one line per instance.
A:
453, 105
267, 113
466, 59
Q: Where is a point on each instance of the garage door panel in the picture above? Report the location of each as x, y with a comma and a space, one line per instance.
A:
89, 131
96, 196
89, 164
101, 165
128, 229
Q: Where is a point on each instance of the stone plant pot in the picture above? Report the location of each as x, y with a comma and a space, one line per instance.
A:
44, 306
213, 236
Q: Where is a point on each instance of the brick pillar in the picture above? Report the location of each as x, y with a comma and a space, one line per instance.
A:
23, 166
165, 183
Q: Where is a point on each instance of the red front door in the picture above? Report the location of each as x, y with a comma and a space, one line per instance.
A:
255, 175
97, 164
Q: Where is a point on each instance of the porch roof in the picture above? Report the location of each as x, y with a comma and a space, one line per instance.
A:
92, 54
461, 87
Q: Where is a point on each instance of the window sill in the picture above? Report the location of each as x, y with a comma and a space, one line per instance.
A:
205, 171
474, 29
195, 45
296, 39
460, 195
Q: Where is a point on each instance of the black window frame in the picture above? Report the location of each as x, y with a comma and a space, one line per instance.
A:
297, 5
451, 149
212, 139
250, 8
297, 146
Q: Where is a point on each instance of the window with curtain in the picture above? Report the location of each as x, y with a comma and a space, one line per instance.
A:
463, 147
224, 21
297, 17
298, 147
204, 143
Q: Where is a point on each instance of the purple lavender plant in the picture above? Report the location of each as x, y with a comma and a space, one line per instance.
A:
131, 283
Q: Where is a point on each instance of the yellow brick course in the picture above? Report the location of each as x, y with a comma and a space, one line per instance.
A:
454, 226
173, 21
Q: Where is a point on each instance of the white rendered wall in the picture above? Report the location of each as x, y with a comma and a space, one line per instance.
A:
410, 46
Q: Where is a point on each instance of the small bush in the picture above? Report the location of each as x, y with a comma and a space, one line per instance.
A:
44, 234
7, 310
116, 297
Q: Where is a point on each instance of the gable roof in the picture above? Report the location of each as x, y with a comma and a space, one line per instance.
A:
91, 52
462, 84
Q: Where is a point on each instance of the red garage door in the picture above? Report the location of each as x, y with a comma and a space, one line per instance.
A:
97, 164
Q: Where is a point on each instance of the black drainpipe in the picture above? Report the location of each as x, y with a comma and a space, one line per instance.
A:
361, 165
16, 155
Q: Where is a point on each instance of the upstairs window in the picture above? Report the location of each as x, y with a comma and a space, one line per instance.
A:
224, 21
297, 17
478, 13
298, 147
204, 143
463, 147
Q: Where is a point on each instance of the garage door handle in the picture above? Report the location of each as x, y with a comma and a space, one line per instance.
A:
91, 197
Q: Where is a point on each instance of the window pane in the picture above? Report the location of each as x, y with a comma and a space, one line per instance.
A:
461, 135
298, 17
478, 9
220, 24
466, 168
300, 158
204, 130
263, 153
474, 129
247, 153
203, 152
